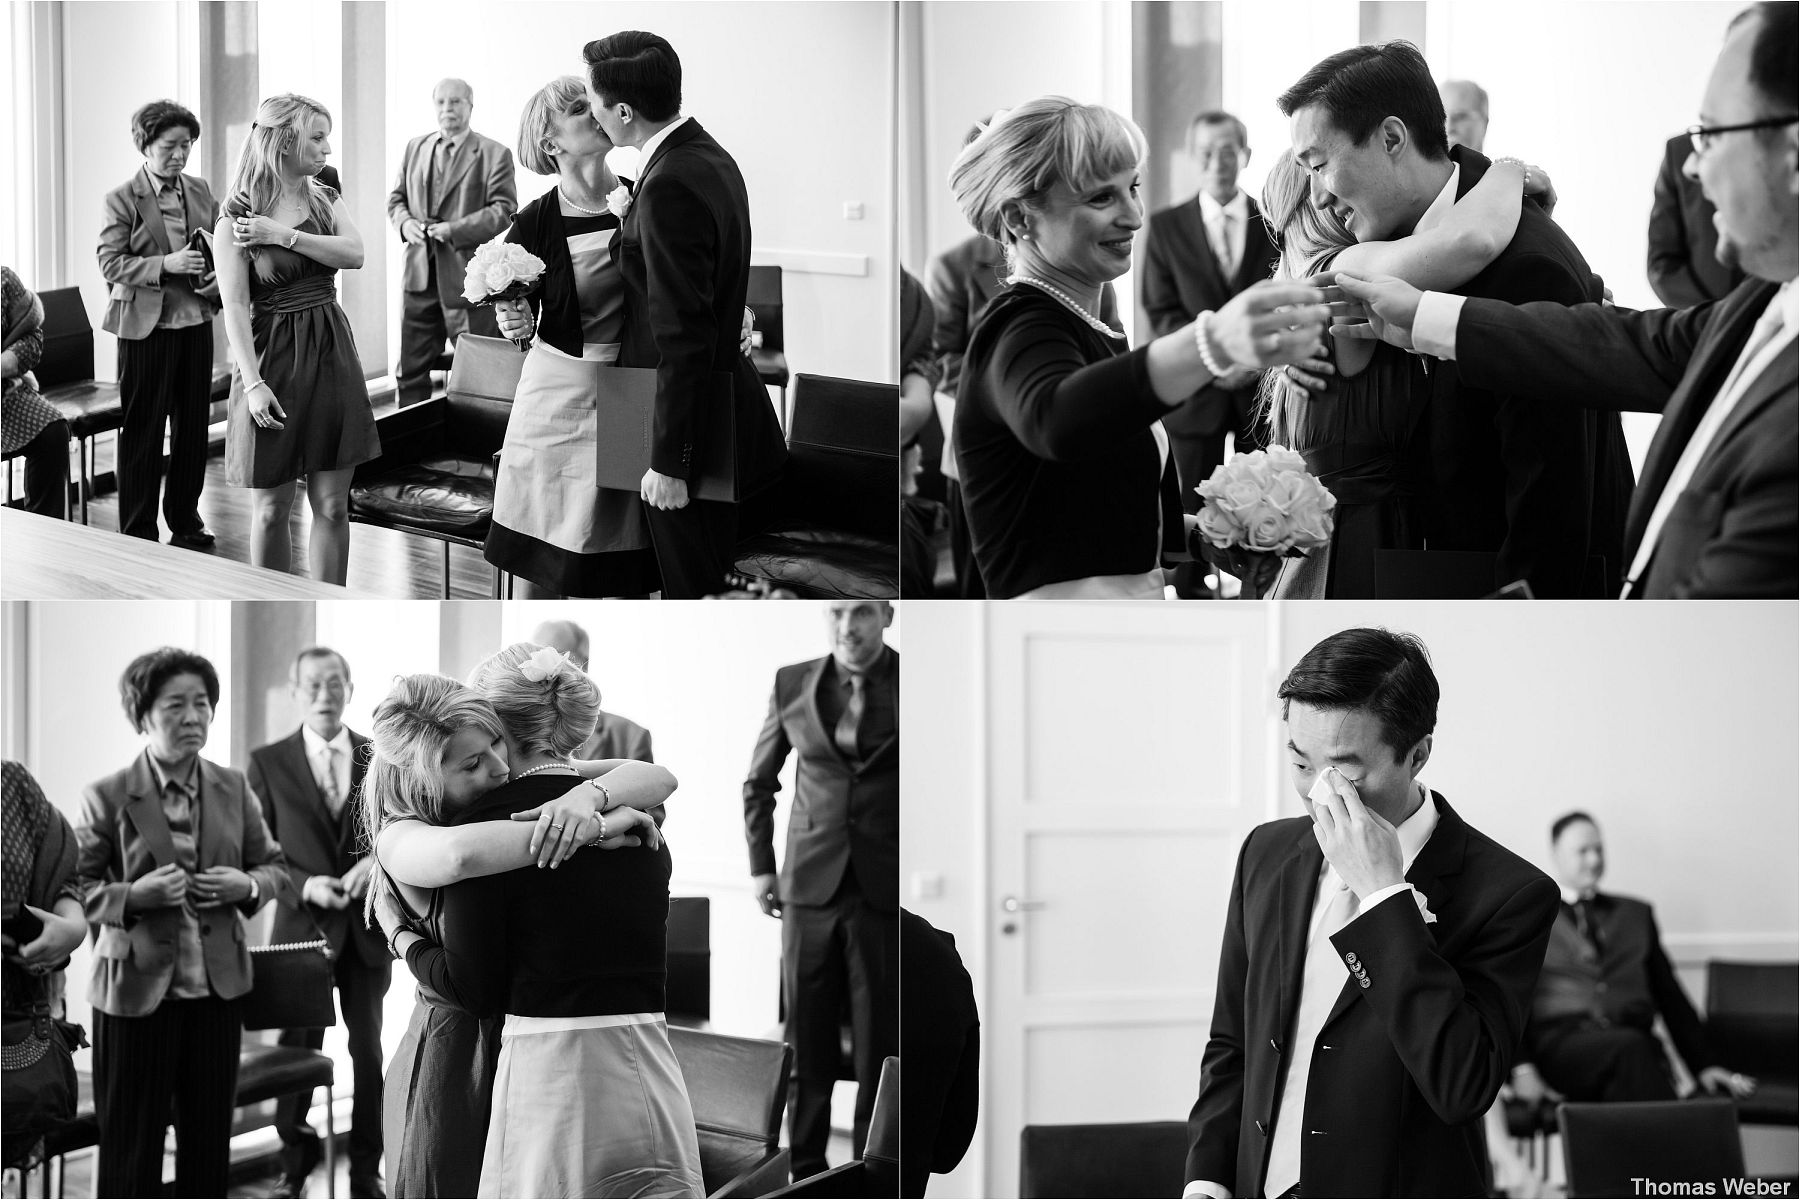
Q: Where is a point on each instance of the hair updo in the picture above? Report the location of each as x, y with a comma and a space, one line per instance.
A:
1025, 152
553, 714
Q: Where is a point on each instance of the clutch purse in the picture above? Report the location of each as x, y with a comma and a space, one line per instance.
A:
290, 986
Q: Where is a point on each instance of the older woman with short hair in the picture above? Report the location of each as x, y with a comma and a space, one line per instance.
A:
161, 308
174, 855
1067, 479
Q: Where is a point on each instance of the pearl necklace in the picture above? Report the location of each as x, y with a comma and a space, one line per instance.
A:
1068, 302
592, 212
554, 766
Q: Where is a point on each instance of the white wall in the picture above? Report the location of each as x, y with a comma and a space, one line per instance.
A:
1672, 724
800, 94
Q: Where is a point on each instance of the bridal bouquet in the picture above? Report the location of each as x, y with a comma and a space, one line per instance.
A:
501, 270
1259, 508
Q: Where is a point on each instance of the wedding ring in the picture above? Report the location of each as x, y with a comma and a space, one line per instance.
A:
1274, 342
556, 825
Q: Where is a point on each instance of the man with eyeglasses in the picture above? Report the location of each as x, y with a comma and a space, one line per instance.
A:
1198, 254
1715, 511
307, 783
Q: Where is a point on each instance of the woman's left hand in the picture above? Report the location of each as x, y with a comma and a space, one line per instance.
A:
260, 231
54, 945
745, 342
558, 832
219, 885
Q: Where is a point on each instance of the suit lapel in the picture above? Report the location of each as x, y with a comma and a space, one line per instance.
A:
151, 213
144, 809
299, 767
814, 683
1297, 889
221, 824
689, 130
459, 167
1252, 267
1193, 223
1778, 378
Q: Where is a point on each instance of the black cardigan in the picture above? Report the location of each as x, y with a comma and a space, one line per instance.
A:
1059, 466
539, 228
587, 939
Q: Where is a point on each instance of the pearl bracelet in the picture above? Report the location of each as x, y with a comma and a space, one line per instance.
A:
1206, 355
602, 836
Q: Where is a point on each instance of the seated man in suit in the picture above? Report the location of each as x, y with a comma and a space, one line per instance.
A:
1605, 981
1715, 515
1198, 254
455, 190
306, 782
614, 736
1378, 956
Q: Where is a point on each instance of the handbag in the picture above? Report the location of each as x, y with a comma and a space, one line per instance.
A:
486, 368
290, 986
38, 1088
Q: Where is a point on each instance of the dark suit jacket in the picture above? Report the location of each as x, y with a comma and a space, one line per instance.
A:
1508, 471
844, 814
282, 778
1405, 1067
132, 243
1629, 982
124, 835
617, 737
1733, 532
684, 256
477, 200
1182, 279
1684, 270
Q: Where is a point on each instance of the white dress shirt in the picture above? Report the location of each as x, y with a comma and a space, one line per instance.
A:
1414, 832
1225, 226
656, 139
321, 761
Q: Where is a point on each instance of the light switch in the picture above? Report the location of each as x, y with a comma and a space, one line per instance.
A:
853, 210
927, 885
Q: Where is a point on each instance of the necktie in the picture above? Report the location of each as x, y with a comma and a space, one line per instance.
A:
440, 170
1227, 260
334, 799
845, 733
1586, 924
1319, 990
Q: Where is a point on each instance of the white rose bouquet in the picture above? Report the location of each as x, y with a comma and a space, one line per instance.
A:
1259, 508
501, 270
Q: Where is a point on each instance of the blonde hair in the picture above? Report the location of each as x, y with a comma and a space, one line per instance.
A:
412, 729
561, 97
1025, 152
1309, 237
552, 715
256, 184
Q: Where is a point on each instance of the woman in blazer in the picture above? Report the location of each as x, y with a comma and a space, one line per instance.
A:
174, 854
161, 308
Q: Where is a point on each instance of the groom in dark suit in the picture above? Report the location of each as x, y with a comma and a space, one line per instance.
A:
1716, 515
1507, 484
838, 893
1378, 961
683, 253
307, 783
1198, 254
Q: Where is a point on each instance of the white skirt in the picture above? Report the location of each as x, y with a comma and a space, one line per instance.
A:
590, 1106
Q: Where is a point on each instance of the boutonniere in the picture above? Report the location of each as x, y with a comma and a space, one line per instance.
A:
1424, 909
618, 201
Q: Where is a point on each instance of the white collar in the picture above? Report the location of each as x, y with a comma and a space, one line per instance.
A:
1440, 207
1211, 210
656, 139
315, 745
1788, 300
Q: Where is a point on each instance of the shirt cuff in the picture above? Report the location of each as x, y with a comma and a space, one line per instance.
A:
255, 889
1206, 1187
1434, 325
1391, 890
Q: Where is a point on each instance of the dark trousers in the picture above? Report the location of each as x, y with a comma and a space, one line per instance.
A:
47, 471
164, 377
962, 546
694, 547
179, 1062
1610, 1064
839, 956
361, 990
424, 327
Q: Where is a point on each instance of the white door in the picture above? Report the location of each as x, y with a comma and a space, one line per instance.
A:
1130, 756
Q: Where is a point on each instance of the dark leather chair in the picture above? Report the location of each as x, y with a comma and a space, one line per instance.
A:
738, 1087
435, 475
1146, 1158
834, 532
770, 358
877, 1172
1606, 1146
690, 962
1753, 1023
65, 376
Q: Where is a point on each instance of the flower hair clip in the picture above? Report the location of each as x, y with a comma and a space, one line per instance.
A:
543, 664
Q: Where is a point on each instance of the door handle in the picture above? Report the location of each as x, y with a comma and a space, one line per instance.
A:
1012, 904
